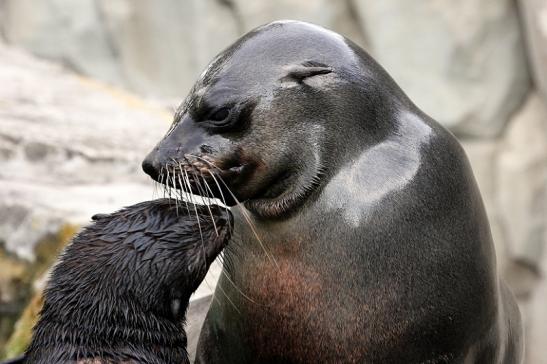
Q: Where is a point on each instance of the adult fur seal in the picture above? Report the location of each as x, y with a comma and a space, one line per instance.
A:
120, 291
374, 244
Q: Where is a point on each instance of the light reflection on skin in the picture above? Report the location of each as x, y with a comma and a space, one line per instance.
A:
381, 170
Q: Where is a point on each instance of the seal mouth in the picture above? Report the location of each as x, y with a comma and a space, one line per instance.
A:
201, 176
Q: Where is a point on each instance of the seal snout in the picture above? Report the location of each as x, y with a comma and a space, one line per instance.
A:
149, 168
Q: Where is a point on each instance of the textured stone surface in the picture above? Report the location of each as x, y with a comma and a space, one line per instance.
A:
337, 15
536, 322
24, 288
512, 175
70, 149
483, 158
155, 48
534, 21
163, 45
65, 30
462, 62
522, 181
194, 320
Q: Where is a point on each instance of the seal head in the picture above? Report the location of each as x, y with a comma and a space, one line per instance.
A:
268, 114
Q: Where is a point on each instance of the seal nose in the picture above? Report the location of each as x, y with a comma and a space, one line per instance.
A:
150, 168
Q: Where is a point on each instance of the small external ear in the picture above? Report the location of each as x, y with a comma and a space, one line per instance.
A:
98, 217
300, 72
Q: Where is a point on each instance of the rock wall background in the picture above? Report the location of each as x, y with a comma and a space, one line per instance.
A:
71, 146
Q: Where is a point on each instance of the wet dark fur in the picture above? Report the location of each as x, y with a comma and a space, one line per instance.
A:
110, 297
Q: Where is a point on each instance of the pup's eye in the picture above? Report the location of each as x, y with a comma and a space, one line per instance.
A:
220, 114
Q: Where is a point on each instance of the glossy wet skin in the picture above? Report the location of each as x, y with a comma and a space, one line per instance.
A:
375, 244
269, 133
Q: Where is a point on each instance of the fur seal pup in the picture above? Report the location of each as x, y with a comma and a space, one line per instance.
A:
120, 290
374, 246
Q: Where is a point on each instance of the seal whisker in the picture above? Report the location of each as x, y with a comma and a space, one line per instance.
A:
167, 179
187, 180
244, 213
209, 188
213, 290
219, 285
230, 252
162, 181
224, 201
239, 290
207, 204
225, 260
212, 165
154, 189
167, 189
170, 181
183, 188
158, 186
173, 182
204, 192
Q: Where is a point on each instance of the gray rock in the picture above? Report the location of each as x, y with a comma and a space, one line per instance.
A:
156, 48
71, 149
536, 323
163, 45
522, 182
337, 15
511, 172
482, 155
194, 320
462, 62
68, 31
534, 20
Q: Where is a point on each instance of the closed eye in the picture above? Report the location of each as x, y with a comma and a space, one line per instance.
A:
220, 114
231, 117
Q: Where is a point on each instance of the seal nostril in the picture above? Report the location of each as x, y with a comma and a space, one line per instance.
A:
206, 149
